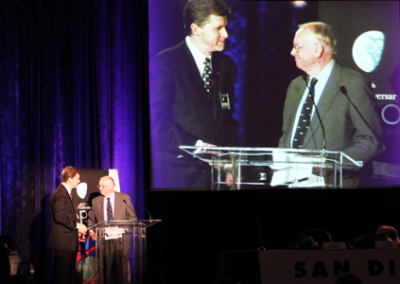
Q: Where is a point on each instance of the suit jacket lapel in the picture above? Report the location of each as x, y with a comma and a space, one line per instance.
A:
117, 209
190, 67
120, 209
216, 73
193, 71
101, 209
293, 105
328, 96
220, 78
299, 91
71, 203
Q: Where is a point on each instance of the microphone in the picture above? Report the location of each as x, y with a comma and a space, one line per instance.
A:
261, 247
343, 90
304, 76
132, 211
147, 211
348, 246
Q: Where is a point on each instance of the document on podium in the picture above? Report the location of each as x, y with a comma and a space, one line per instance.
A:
294, 171
113, 233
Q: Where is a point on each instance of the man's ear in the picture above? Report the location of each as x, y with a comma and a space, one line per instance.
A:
319, 49
196, 30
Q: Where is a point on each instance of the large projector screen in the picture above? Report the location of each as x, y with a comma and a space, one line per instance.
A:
259, 43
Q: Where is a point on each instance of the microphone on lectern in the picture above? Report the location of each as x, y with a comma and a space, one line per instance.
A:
343, 90
147, 211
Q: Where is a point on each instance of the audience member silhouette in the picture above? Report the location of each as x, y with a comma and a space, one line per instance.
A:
153, 276
378, 233
347, 278
225, 280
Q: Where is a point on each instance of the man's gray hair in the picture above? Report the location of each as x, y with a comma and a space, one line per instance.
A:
322, 32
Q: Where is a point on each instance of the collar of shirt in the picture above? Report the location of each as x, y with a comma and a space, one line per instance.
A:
322, 78
198, 56
112, 200
68, 189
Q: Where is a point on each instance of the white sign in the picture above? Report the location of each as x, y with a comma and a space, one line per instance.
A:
321, 266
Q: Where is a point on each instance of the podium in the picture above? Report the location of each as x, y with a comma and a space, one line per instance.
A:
128, 239
251, 168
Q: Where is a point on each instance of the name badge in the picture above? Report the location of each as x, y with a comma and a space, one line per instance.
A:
225, 104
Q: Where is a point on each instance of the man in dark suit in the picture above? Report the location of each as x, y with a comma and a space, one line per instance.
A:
343, 97
192, 93
64, 228
117, 206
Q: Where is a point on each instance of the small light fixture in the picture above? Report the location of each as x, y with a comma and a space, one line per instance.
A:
299, 4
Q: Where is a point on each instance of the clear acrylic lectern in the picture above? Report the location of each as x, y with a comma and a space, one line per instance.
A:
127, 235
238, 168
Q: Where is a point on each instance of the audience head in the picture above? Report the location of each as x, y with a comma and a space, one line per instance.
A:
378, 233
153, 276
387, 232
225, 280
347, 278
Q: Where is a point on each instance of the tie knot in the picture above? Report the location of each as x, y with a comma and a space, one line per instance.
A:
313, 82
207, 61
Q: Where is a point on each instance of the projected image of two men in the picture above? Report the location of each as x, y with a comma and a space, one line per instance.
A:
273, 94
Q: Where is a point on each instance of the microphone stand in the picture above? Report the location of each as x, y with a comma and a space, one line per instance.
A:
147, 211
343, 90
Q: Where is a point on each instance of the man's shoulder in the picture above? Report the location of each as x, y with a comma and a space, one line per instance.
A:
296, 86
172, 51
60, 187
122, 197
223, 62
297, 81
59, 190
173, 57
98, 199
222, 55
348, 73
121, 194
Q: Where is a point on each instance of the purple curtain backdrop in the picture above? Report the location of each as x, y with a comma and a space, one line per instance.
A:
72, 81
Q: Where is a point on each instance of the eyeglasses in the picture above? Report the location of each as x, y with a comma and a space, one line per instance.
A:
297, 47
